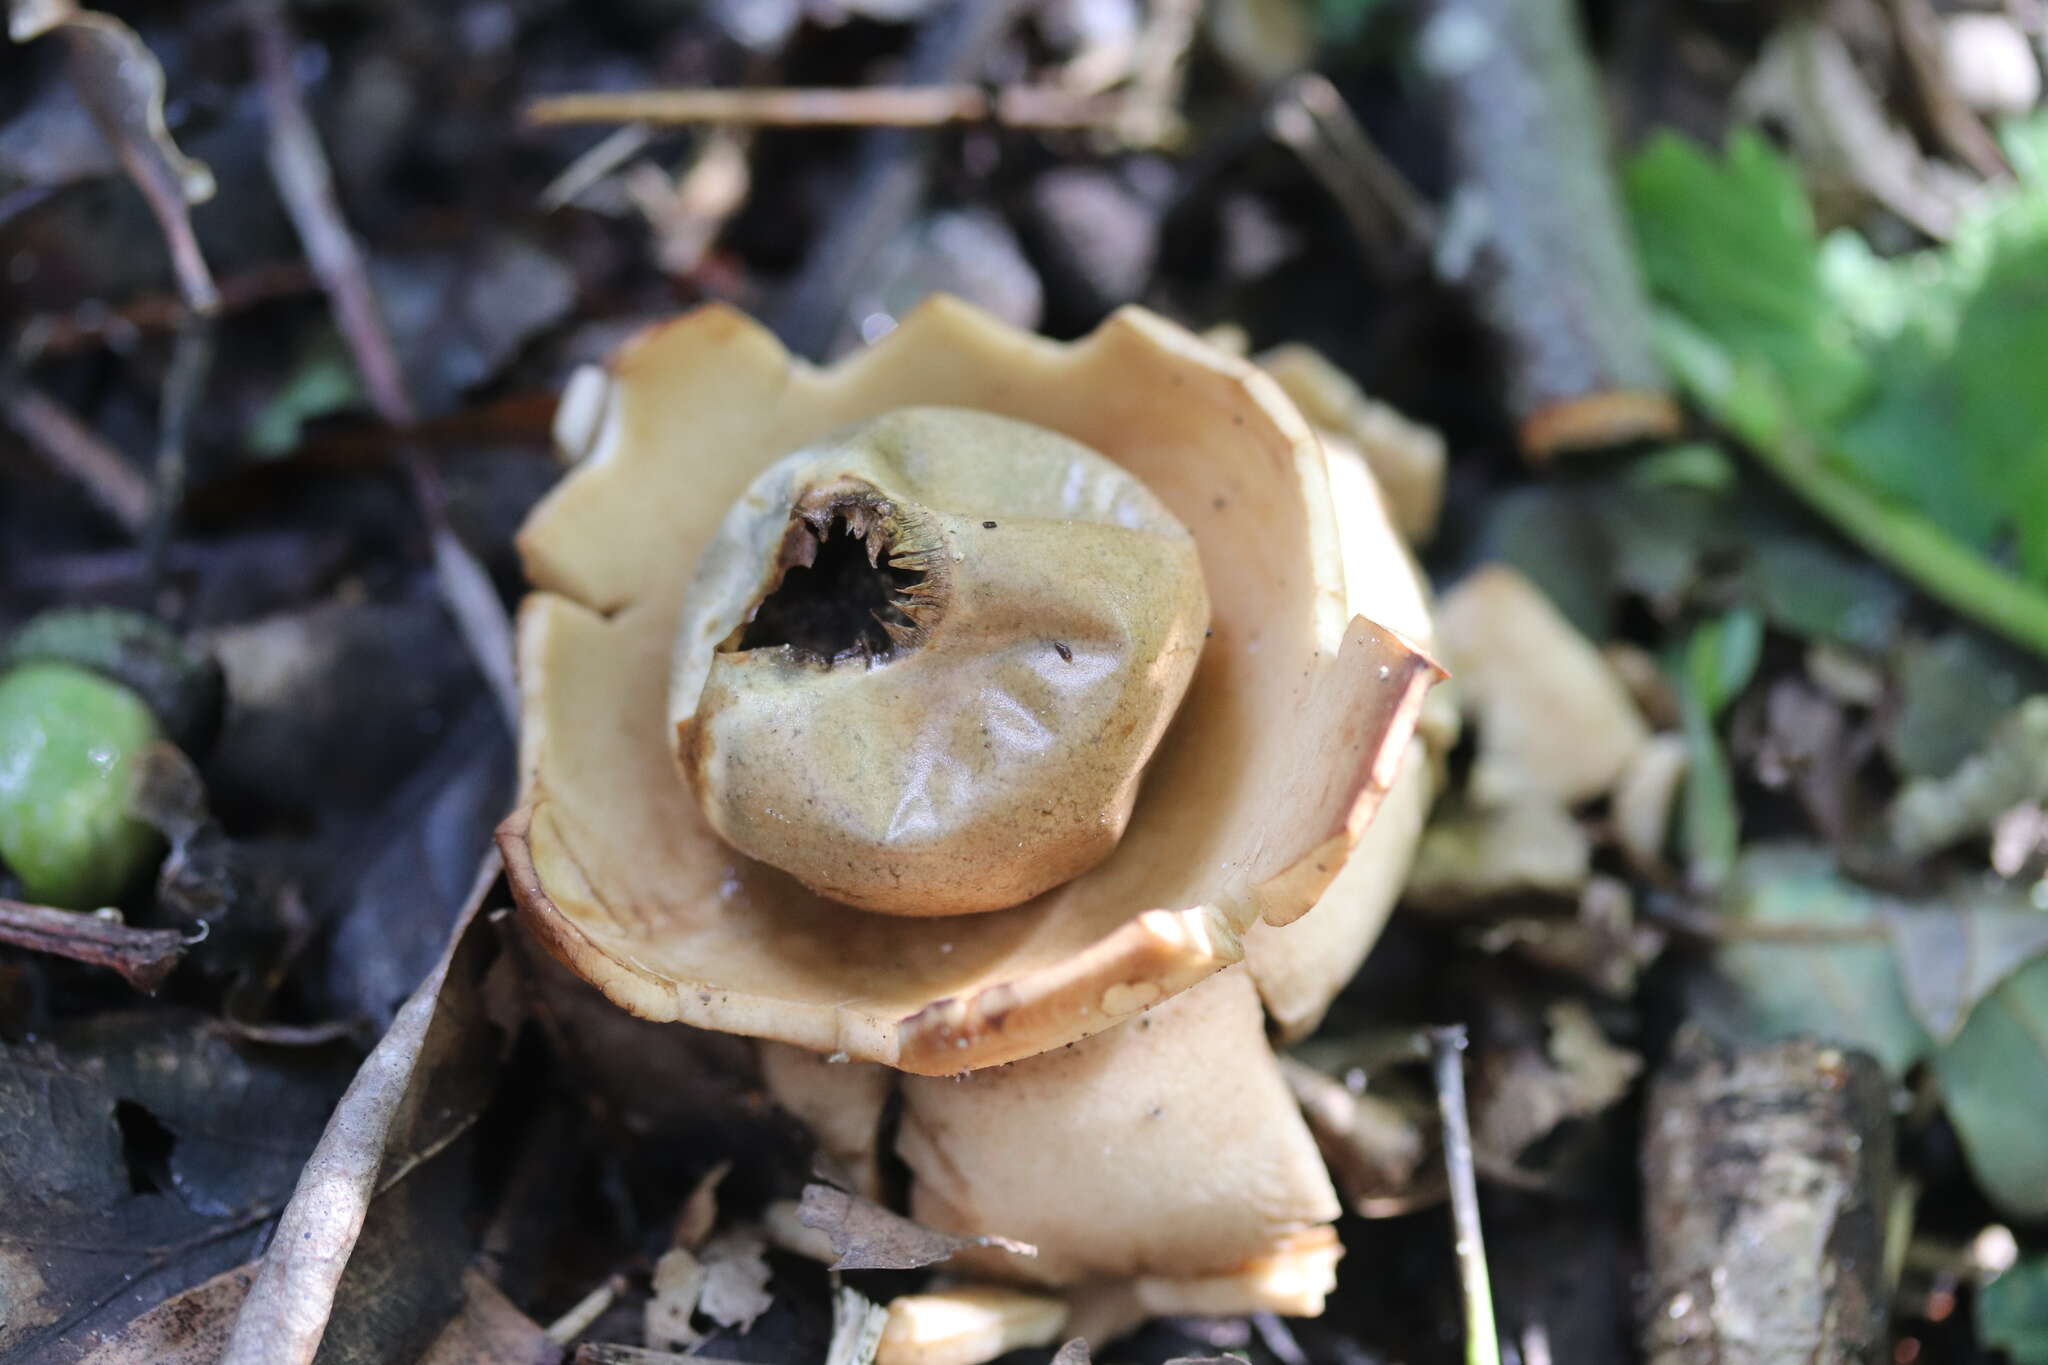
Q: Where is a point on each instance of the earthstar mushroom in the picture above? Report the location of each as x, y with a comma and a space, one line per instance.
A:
1051, 993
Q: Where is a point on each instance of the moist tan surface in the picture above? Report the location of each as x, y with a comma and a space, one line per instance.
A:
1294, 725
997, 752
1170, 1148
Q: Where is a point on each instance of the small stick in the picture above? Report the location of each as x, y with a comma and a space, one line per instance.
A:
1535, 231
887, 185
1767, 1183
1151, 114
104, 71
115, 76
585, 1311
1446, 1052
74, 449
884, 106
143, 957
1385, 213
304, 179
184, 382
66, 333
1953, 124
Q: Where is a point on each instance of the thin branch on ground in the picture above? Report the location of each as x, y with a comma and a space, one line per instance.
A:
184, 383
888, 182
1951, 122
886, 106
76, 451
1150, 115
58, 334
1392, 222
143, 957
1482, 1340
122, 87
305, 181
586, 1311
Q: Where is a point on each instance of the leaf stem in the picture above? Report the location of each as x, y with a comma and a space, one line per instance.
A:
1942, 566
1447, 1053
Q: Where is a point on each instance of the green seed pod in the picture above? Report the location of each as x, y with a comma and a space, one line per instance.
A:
181, 685
68, 742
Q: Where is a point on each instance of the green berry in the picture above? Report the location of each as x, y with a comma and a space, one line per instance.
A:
68, 741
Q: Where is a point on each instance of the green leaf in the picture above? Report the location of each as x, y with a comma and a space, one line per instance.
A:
1953, 690
1900, 398
1721, 657
1952, 956
1730, 243
1808, 588
2012, 1312
1994, 1084
1715, 663
1846, 991
1696, 465
1897, 979
2000, 362
323, 382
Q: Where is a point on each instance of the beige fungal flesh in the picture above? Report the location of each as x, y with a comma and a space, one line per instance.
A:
923, 663
769, 588
1294, 725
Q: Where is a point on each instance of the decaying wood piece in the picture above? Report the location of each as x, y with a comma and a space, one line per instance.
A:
143, 957
1535, 229
1767, 1174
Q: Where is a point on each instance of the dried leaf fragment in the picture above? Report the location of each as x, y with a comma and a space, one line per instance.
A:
867, 1236
1553, 718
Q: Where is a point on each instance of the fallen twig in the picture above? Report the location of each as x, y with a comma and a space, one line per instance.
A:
1953, 124
1150, 116
306, 183
184, 382
76, 450
887, 183
1446, 1050
586, 1310
1393, 225
884, 106
162, 311
1767, 1174
143, 957
122, 86
1535, 230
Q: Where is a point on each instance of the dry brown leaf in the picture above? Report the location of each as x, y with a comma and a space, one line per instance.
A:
1530, 846
381, 1129
1553, 718
1375, 1150
185, 1329
490, 1330
867, 1236
1577, 1074
1808, 81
